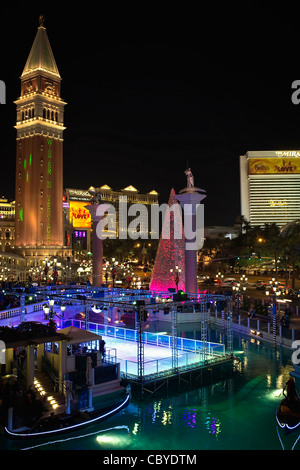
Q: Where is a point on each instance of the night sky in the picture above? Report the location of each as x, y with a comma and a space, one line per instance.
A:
150, 90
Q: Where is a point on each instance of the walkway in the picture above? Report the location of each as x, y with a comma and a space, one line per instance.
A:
265, 324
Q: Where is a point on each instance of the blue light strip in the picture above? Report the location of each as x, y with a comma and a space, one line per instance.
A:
69, 428
285, 425
82, 436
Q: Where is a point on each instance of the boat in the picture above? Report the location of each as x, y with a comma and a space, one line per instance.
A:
288, 420
288, 415
61, 423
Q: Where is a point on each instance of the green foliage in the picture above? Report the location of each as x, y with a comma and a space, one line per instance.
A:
255, 247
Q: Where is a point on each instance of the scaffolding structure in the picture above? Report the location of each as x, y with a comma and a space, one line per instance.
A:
203, 327
229, 327
139, 306
140, 343
174, 314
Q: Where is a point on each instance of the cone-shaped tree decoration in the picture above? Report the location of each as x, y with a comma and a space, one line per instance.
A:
171, 251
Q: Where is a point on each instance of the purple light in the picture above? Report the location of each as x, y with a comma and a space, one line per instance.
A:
190, 418
79, 234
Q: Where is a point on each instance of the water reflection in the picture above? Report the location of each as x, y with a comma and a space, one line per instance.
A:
235, 413
213, 425
189, 417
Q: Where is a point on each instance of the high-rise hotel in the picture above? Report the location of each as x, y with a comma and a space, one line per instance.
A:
270, 186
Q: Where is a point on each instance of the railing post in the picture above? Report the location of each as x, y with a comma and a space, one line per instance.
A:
10, 418
68, 389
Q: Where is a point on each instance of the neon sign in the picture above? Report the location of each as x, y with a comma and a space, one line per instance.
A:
79, 216
80, 234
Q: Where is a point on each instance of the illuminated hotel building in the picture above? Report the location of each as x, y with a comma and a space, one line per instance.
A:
39, 154
75, 201
7, 209
270, 187
7, 224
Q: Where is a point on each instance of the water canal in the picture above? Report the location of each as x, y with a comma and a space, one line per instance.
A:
237, 413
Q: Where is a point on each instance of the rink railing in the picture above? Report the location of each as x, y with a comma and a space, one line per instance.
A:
191, 352
153, 339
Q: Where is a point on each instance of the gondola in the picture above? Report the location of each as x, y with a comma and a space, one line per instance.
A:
288, 420
288, 415
62, 423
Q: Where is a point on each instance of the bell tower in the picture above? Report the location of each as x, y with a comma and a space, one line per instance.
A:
39, 155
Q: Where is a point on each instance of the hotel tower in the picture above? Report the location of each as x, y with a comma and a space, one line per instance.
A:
270, 186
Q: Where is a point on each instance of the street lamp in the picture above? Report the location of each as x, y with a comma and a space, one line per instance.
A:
273, 291
113, 271
238, 289
50, 312
176, 275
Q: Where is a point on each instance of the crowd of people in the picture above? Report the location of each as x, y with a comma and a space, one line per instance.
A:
28, 407
9, 302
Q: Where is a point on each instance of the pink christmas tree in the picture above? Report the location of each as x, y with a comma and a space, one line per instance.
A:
170, 251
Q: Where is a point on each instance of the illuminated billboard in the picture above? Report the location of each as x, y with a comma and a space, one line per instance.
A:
271, 166
79, 216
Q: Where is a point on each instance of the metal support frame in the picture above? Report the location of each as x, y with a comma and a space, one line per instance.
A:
203, 327
274, 322
86, 315
140, 344
174, 338
22, 306
229, 327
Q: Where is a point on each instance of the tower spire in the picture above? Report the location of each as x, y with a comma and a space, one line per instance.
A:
41, 57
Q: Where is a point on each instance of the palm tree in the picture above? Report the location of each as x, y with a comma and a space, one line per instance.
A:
243, 223
290, 233
273, 242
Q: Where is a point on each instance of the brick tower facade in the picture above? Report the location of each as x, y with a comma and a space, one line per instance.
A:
39, 156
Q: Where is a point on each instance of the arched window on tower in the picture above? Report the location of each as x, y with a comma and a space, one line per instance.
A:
44, 113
